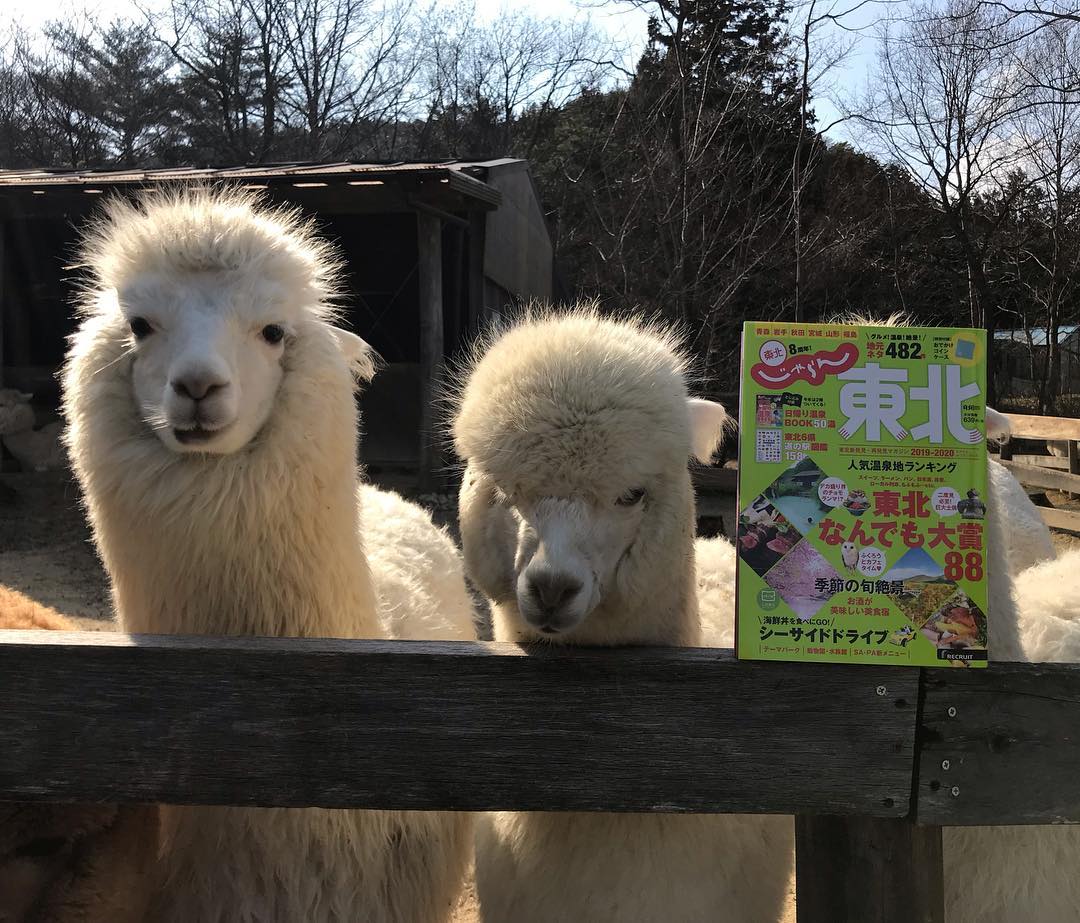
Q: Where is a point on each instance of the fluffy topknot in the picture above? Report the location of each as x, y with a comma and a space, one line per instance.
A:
189, 228
574, 394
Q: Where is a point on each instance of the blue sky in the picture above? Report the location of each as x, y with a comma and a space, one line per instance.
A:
622, 21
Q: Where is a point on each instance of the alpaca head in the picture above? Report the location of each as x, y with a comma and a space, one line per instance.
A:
577, 430
209, 292
16, 414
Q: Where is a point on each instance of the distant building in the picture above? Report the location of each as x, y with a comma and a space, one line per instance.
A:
1021, 358
434, 249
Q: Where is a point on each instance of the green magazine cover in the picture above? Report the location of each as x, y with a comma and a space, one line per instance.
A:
862, 495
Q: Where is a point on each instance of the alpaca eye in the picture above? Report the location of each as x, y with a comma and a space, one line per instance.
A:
631, 497
273, 333
140, 328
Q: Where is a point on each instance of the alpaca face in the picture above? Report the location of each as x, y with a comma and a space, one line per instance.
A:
564, 547
208, 357
568, 554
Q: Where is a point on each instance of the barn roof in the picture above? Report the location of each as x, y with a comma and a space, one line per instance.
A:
466, 177
1038, 335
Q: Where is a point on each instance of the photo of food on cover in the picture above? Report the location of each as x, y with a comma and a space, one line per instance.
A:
765, 535
959, 624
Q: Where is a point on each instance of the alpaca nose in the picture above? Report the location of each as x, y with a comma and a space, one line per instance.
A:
197, 385
553, 591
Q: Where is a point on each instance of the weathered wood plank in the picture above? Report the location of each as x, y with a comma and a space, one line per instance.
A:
1060, 519
1074, 462
1000, 746
3, 299
432, 341
1043, 461
1038, 476
439, 725
861, 869
1032, 426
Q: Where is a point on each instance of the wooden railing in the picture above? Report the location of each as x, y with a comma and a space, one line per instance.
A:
872, 760
1054, 472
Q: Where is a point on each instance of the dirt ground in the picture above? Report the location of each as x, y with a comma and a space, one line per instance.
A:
46, 552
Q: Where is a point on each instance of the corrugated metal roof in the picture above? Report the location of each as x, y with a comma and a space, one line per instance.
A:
1038, 335
462, 175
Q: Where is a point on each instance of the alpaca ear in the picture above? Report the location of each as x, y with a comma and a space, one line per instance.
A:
708, 423
488, 537
362, 358
997, 426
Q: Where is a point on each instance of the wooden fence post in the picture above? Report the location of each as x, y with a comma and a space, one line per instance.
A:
432, 343
867, 870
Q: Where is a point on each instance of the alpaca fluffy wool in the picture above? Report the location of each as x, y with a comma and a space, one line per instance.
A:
262, 541
95, 863
16, 414
417, 568
716, 561
575, 404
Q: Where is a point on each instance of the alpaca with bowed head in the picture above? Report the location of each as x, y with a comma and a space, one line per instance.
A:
34, 449
577, 517
213, 427
72, 863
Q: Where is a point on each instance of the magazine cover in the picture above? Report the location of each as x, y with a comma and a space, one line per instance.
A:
862, 495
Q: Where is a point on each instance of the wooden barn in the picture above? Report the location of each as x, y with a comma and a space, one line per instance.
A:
433, 250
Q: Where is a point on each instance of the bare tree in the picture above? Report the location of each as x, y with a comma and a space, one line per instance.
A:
63, 100
215, 43
348, 66
480, 78
944, 107
1048, 131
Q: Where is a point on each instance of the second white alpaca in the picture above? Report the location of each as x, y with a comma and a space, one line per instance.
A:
34, 449
213, 429
577, 518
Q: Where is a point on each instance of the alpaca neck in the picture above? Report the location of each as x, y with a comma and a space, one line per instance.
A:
238, 558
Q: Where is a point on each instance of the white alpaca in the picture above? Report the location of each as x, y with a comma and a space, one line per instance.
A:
213, 429
33, 449
577, 519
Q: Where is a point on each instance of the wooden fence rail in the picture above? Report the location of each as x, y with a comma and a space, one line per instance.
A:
870, 759
1043, 470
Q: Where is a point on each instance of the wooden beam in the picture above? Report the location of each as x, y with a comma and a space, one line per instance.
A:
1074, 462
857, 869
432, 343
477, 230
1032, 426
1043, 461
1038, 476
416, 725
3, 299
1000, 746
1060, 519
